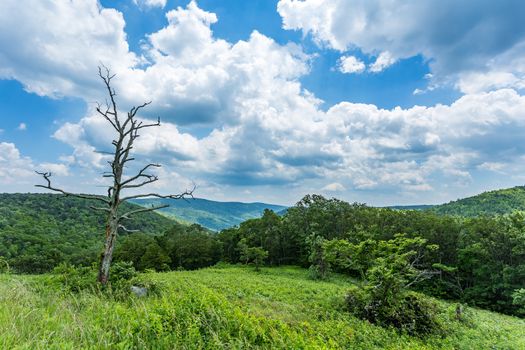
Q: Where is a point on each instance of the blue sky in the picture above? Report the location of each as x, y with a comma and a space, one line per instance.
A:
268, 100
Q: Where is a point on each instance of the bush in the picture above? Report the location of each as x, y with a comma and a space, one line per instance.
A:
518, 299
411, 313
4, 265
75, 279
120, 278
123, 276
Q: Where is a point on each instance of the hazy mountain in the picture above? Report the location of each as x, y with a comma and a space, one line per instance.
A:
211, 214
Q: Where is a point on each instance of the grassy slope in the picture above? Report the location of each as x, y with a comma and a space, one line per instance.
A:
221, 308
211, 214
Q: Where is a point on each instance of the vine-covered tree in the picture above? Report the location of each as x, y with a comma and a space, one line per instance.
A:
126, 130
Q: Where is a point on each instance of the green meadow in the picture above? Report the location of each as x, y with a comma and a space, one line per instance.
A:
224, 307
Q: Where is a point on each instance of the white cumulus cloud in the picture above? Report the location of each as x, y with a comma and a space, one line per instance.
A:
351, 64
469, 42
258, 126
150, 3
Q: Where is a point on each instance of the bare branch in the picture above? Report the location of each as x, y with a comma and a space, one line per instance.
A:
107, 81
104, 152
134, 110
139, 175
47, 175
100, 208
151, 179
421, 276
126, 216
142, 126
183, 195
105, 115
123, 228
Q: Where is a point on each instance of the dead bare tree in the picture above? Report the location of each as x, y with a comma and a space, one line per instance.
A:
127, 131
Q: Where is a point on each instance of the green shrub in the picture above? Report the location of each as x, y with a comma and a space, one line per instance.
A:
518, 299
458, 312
154, 288
120, 278
4, 265
412, 313
123, 276
75, 278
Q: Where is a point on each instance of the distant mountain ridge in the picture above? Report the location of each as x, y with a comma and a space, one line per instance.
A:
210, 214
495, 202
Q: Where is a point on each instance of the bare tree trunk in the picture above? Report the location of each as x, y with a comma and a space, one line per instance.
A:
127, 131
107, 253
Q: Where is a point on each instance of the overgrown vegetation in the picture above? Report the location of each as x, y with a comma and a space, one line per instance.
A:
225, 308
479, 261
180, 247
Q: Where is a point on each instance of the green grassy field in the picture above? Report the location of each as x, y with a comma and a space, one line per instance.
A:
226, 307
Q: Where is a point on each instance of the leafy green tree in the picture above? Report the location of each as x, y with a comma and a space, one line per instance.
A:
254, 255
518, 299
320, 266
385, 299
190, 247
155, 257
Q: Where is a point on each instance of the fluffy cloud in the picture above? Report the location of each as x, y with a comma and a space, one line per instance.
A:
261, 127
334, 187
150, 3
57, 45
351, 64
13, 167
461, 40
18, 172
357, 146
382, 62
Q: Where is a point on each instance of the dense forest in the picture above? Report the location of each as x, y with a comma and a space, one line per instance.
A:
40, 231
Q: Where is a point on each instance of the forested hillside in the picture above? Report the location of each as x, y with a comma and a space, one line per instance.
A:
496, 202
38, 231
210, 214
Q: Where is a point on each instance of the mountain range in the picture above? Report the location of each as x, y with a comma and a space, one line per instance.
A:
210, 214
220, 215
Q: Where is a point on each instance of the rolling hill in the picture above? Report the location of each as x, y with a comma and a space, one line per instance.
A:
496, 202
490, 203
39, 230
210, 214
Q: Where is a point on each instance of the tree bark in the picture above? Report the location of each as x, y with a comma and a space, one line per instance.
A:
107, 253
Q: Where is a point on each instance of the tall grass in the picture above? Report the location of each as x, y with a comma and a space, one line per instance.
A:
222, 308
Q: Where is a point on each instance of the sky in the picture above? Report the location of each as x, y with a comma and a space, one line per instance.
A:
382, 102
